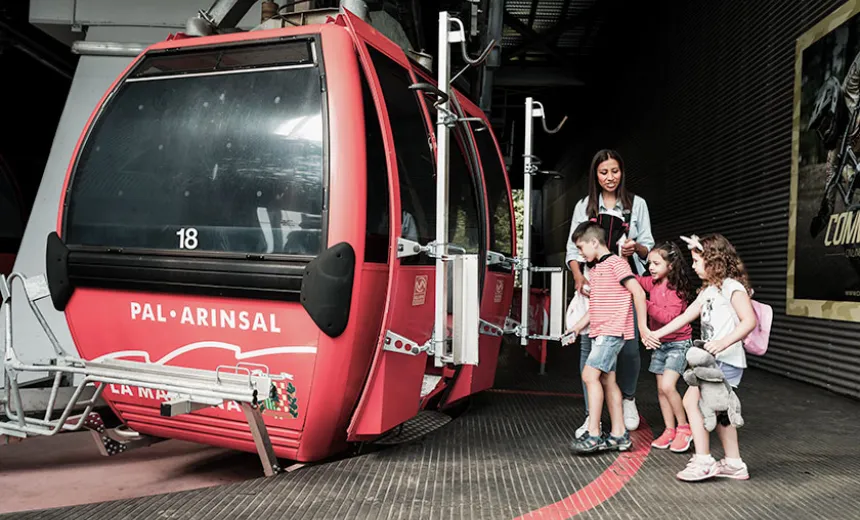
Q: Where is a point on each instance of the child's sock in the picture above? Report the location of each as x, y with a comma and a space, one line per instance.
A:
705, 458
734, 462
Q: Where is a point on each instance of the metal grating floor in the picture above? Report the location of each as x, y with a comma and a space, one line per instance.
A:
506, 457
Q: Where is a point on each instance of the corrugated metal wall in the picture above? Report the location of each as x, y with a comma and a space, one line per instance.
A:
698, 99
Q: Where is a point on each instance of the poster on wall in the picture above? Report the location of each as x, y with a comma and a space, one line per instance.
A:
824, 227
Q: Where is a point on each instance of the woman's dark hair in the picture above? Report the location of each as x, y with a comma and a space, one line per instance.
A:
594, 189
678, 279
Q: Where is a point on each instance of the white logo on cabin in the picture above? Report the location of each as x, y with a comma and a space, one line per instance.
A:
202, 317
161, 395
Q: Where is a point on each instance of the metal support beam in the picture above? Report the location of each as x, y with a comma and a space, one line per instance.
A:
261, 439
494, 60
543, 38
440, 332
516, 24
228, 13
108, 48
222, 16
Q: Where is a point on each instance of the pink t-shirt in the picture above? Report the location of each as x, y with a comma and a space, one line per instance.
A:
664, 305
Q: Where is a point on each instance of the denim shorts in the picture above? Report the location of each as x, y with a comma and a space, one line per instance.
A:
670, 356
604, 353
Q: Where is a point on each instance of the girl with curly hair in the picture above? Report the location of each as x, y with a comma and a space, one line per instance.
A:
727, 317
669, 292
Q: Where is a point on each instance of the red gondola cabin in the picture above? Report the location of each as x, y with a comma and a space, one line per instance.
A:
240, 198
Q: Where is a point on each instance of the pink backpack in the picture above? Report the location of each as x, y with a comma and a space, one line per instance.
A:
756, 341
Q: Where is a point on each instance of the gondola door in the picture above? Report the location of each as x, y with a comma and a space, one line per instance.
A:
392, 391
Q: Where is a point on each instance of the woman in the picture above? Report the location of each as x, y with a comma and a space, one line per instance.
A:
621, 214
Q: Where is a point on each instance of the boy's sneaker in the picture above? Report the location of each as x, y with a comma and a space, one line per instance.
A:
622, 443
587, 443
583, 430
631, 414
683, 439
664, 441
727, 470
699, 469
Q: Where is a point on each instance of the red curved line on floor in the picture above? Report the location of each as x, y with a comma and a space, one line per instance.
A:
607, 484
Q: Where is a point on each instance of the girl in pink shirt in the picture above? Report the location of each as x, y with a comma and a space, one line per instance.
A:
669, 291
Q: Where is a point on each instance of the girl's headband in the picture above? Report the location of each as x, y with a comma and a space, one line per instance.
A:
693, 243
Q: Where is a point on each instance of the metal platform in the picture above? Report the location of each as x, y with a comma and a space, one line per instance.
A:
506, 457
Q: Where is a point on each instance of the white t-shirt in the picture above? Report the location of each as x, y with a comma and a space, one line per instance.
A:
719, 319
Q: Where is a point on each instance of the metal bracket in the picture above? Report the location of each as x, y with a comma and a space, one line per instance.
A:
494, 258
546, 269
542, 337
511, 326
535, 160
109, 446
490, 329
409, 248
473, 26
448, 117
397, 343
186, 404
4, 290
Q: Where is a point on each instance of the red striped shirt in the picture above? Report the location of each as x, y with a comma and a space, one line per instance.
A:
610, 307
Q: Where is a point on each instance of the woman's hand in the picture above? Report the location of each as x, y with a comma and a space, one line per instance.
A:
629, 248
582, 285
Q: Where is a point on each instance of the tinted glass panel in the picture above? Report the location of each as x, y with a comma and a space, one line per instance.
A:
497, 194
415, 162
227, 163
184, 62
464, 229
376, 244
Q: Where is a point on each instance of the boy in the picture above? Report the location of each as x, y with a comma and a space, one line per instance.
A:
610, 318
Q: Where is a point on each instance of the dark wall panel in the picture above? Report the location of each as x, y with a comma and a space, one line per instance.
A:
698, 99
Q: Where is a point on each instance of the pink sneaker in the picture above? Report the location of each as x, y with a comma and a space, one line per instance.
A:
683, 439
697, 470
664, 441
727, 470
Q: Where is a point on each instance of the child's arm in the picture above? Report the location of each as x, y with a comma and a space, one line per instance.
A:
646, 282
743, 307
692, 312
664, 311
641, 306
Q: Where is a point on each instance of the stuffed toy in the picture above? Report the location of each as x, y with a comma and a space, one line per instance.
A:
716, 394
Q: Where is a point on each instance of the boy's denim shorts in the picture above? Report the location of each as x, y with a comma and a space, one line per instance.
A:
604, 353
670, 356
